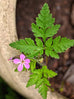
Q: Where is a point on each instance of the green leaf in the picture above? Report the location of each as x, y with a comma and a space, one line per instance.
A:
37, 71
44, 68
37, 32
29, 41
24, 68
49, 49
44, 71
33, 65
34, 78
27, 46
16, 70
44, 19
32, 81
46, 82
57, 45
44, 24
43, 91
51, 73
53, 54
40, 80
52, 31
62, 44
48, 72
48, 43
39, 83
39, 42
45, 10
39, 23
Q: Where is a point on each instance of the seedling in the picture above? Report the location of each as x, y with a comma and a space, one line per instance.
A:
43, 46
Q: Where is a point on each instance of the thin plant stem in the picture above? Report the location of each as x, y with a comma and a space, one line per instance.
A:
46, 60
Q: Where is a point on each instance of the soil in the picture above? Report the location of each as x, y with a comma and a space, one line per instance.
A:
63, 11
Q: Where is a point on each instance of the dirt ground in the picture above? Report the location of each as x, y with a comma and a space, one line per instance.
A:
63, 11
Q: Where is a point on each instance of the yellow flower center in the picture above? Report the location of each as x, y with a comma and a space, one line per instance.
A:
22, 61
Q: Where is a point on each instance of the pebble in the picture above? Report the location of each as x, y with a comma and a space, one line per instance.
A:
69, 76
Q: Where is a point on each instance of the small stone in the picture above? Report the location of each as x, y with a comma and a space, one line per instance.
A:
69, 76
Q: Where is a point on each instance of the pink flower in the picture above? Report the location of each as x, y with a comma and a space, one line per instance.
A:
10, 59
22, 61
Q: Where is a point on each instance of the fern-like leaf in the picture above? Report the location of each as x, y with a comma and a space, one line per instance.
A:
39, 44
44, 19
57, 45
61, 44
37, 32
28, 47
51, 73
52, 30
44, 24
32, 65
48, 72
34, 78
38, 84
40, 79
43, 91
49, 49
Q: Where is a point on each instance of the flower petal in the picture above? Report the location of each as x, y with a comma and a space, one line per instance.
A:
22, 56
27, 60
16, 61
10, 59
27, 66
20, 67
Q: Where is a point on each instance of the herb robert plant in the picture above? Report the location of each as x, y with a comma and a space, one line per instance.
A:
44, 29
